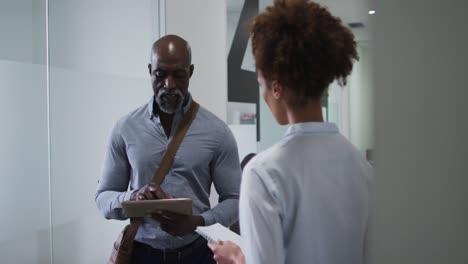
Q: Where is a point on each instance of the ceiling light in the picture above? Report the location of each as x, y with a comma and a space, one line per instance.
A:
371, 12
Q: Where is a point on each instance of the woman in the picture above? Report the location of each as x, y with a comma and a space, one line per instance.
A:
305, 199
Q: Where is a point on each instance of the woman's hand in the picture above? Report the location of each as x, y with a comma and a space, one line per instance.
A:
227, 252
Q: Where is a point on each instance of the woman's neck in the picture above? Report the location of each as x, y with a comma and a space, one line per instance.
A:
310, 112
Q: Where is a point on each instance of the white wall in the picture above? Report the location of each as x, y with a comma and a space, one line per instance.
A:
203, 24
421, 172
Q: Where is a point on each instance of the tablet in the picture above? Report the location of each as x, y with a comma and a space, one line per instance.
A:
144, 207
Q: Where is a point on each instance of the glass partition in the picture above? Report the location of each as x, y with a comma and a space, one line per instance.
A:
99, 52
24, 199
65, 79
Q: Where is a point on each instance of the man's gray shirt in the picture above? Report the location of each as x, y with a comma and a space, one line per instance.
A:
208, 154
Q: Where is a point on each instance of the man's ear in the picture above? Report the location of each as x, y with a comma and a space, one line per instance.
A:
149, 68
277, 89
191, 69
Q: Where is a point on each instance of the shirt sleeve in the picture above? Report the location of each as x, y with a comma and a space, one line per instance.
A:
260, 220
226, 174
113, 183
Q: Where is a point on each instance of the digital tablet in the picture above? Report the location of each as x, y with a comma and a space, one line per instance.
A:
144, 207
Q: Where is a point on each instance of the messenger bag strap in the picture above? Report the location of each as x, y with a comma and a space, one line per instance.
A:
166, 162
164, 167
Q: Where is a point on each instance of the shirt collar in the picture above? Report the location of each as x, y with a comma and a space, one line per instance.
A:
150, 104
317, 128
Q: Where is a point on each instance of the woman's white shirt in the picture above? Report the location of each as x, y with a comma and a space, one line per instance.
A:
306, 199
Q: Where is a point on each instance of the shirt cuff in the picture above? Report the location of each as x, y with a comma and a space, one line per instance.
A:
209, 218
127, 195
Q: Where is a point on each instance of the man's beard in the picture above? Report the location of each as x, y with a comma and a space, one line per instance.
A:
167, 105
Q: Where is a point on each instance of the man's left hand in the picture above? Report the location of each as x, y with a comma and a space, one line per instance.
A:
177, 224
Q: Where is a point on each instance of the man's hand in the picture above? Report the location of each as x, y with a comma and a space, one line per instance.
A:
177, 224
150, 192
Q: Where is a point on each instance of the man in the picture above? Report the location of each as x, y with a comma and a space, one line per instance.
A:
208, 154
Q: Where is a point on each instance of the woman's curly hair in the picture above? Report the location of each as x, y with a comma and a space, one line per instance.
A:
300, 45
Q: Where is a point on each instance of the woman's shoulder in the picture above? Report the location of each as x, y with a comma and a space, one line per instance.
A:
266, 165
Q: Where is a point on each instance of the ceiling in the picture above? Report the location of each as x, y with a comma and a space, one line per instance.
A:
350, 11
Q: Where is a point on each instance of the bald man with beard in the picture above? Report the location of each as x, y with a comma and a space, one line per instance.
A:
208, 154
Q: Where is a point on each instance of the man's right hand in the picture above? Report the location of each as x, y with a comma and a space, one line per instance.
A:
149, 192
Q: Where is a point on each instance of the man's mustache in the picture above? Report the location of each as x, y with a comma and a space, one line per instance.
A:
171, 92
